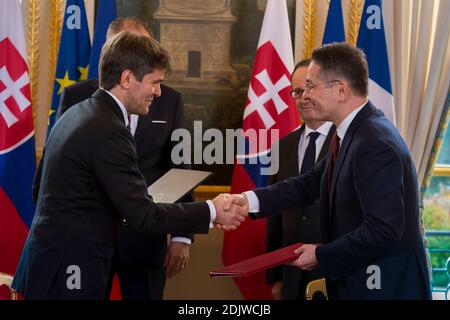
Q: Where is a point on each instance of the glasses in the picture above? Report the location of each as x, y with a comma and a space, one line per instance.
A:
297, 93
309, 85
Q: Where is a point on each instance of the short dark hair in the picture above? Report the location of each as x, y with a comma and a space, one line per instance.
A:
301, 63
122, 24
128, 51
343, 60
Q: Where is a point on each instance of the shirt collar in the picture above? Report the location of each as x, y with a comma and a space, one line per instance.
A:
343, 127
323, 129
121, 106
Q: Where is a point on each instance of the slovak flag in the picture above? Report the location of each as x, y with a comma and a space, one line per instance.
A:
372, 40
17, 148
269, 108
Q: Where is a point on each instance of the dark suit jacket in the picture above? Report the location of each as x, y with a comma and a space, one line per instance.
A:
371, 216
296, 225
90, 182
153, 146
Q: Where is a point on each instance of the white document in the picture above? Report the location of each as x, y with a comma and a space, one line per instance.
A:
175, 184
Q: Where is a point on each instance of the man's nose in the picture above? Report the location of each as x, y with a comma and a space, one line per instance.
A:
157, 90
305, 96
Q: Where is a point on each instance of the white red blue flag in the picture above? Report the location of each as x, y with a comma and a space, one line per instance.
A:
372, 40
17, 148
269, 108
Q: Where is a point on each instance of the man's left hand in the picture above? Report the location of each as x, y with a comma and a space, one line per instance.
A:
307, 259
177, 258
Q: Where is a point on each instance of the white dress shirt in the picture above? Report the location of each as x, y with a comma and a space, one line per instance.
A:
343, 127
133, 117
304, 141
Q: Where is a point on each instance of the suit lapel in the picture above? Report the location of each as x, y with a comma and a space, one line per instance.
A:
362, 115
292, 153
326, 144
108, 101
141, 124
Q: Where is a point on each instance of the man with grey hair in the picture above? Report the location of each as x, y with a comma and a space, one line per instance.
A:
299, 151
372, 246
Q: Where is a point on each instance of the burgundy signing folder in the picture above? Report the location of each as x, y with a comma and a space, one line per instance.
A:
259, 263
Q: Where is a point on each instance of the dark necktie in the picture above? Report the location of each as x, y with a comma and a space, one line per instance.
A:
310, 153
129, 123
334, 149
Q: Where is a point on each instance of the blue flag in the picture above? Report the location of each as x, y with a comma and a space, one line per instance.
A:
334, 27
372, 40
73, 54
106, 13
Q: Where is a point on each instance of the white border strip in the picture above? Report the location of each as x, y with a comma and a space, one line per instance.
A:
18, 144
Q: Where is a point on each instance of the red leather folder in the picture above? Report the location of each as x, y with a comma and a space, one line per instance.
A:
258, 263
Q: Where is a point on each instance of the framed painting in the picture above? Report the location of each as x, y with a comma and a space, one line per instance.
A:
212, 44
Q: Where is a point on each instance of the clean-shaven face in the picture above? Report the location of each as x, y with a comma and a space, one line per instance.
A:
298, 83
321, 100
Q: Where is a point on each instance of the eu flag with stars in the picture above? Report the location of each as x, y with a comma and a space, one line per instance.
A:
73, 55
106, 13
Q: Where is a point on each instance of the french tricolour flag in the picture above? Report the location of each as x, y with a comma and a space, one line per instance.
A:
372, 40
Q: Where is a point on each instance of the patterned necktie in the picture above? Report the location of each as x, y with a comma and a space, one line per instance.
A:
334, 149
309, 158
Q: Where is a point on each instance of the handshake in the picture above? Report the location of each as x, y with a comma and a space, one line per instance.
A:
231, 210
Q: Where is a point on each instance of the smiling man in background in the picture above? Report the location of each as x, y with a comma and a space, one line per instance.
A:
372, 246
299, 151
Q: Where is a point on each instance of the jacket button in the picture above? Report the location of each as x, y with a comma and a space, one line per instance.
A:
304, 218
124, 222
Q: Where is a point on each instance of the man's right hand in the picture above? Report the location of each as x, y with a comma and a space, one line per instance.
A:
230, 211
277, 289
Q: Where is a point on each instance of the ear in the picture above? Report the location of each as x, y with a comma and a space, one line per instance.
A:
343, 91
125, 79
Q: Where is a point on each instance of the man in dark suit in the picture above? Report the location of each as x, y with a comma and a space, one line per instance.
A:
372, 246
298, 151
141, 259
91, 182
